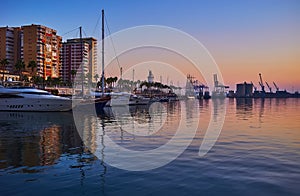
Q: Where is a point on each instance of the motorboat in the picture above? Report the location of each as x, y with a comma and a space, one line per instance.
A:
90, 103
32, 99
138, 100
122, 98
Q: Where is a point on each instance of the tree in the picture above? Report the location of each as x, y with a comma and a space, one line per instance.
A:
109, 81
4, 63
25, 78
89, 77
49, 81
147, 84
37, 80
114, 80
33, 66
96, 77
20, 66
56, 81
73, 73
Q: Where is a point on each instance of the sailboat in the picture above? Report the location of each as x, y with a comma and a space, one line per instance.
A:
98, 101
116, 98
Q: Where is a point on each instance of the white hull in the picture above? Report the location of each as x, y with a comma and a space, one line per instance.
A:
119, 99
41, 105
123, 99
32, 100
137, 100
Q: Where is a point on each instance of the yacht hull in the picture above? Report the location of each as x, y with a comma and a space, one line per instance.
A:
41, 105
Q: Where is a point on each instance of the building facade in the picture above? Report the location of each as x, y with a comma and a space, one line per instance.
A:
32, 43
42, 45
244, 90
79, 56
10, 46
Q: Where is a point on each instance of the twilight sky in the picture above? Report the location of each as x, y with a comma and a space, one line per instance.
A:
244, 37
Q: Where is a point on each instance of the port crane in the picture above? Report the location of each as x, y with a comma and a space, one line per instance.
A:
255, 88
269, 87
277, 88
195, 87
219, 88
218, 84
261, 83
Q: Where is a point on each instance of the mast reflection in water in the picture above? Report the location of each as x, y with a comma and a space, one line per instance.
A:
36, 139
257, 151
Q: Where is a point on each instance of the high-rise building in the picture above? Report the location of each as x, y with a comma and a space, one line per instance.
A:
32, 43
10, 45
79, 55
42, 45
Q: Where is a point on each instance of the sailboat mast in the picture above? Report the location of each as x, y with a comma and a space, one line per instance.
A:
81, 53
102, 53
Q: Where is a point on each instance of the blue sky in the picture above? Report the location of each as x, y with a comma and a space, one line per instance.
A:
192, 16
261, 34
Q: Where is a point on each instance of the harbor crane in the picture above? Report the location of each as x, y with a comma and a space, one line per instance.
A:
269, 87
255, 88
277, 88
219, 85
261, 83
219, 88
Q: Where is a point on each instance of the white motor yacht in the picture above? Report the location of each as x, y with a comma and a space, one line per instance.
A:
32, 99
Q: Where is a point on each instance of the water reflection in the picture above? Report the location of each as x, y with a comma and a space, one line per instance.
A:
191, 110
215, 126
146, 129
244, 108
203, 103
260, 151
260, 103
36, 139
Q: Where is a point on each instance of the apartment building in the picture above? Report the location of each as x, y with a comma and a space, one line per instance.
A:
32, 43
10, 45
79, 55
42, 45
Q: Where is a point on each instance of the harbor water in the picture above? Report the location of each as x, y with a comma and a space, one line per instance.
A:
256, 153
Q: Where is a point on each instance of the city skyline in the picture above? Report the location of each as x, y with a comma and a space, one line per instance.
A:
244, 37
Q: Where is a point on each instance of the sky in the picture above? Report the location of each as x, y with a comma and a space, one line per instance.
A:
243, 37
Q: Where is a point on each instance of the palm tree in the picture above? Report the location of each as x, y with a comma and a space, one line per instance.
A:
20, 66
56, 81
4, 63
49, 81
37, 80
26, 79
89, 77
114, 80
73, 73
96, 77
109, 81
145, 83
32, 65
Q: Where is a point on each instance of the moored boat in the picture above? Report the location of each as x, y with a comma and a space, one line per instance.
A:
32, 99
138, 100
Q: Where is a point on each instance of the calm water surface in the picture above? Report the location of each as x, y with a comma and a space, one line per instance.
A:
257, 152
